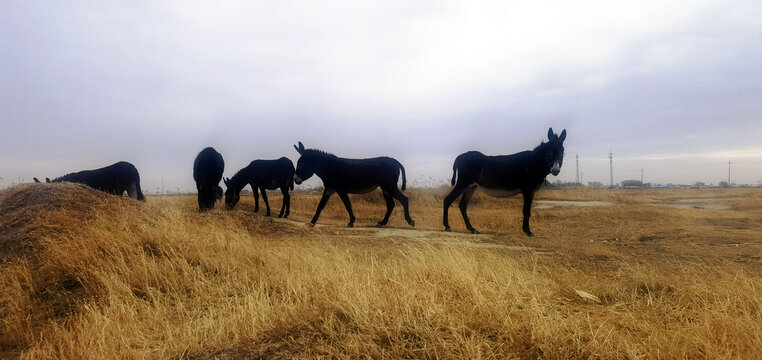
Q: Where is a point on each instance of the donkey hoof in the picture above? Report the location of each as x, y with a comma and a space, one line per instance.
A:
350, 225
530, 234
474, 231
310, 224
448, 229
412, 223
380, 225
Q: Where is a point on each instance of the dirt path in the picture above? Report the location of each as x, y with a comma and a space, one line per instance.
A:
429, 236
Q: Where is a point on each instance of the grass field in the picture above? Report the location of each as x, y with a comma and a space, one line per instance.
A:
610, 274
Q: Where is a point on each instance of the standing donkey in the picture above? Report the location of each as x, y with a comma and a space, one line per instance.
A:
262, 175
207, 172
505, 175
352, 176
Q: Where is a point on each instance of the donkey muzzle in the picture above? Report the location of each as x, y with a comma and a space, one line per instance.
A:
555, 169
297, 179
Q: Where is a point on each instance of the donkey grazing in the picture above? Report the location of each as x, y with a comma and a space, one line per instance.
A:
352, 176
113, 179
262, 175
505, 175
207, 172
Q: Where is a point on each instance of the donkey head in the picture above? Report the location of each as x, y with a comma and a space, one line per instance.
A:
305, 165
555, 151
232, 195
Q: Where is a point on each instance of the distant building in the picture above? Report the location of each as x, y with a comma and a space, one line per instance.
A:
632, 184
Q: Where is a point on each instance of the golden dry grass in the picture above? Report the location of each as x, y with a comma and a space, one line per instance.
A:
89, 275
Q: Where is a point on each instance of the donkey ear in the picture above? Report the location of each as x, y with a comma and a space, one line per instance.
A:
225, 181
550, 134
36, 180
47, 180
299, 149
563, 135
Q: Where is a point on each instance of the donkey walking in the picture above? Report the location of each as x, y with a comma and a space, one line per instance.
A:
262, 175
505, 175
352, 176
113, 179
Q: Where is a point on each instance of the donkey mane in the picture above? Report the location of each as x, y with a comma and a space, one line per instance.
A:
64, 177
543, 145
321, 153
238, 174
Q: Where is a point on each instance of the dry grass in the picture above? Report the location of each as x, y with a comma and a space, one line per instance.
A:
88, 275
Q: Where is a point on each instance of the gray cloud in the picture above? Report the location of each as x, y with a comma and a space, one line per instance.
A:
88, 84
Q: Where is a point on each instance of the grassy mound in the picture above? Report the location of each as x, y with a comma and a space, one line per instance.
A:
47, 244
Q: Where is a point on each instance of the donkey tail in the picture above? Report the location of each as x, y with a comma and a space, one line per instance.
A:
291, 182
455, 166
402, 170
140, 192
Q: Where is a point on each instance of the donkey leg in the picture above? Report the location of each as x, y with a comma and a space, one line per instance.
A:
464, 207
323, 200
345, 198
283, 205
255, 190
528, 196
264, 197
405, 205
454, 193
389, 207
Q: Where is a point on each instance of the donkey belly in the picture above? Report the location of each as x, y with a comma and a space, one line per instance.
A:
272, 184
497, 192
362, 190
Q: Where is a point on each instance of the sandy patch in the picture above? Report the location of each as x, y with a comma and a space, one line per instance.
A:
701, 203
557, 204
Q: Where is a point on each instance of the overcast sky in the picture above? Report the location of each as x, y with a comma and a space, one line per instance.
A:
673, 87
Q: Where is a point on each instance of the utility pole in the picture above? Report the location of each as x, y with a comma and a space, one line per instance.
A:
728, 173
641, 178
162, 184
611, 168
578, 183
